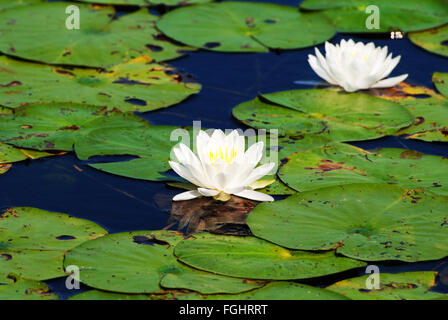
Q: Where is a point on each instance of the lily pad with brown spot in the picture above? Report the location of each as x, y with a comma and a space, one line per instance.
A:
10, 154
324, 115
33, 241
433, 40
392, 286
429, 109
365, 221
254, 258
342, 164
142, 262
59, 126
138, 85
233, 26
102, 40
17, 288
441, 82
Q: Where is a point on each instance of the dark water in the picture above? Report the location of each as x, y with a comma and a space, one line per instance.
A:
66, 184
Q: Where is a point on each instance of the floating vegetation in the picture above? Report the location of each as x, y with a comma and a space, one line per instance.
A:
245, 27
137, 85
370, 222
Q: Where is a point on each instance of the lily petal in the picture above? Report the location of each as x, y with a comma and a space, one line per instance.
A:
254, 195
187, 195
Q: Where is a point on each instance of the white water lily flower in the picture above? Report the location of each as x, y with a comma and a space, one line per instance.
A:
356, 66
222, 167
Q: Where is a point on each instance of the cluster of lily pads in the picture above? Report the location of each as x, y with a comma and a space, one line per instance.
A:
347, 207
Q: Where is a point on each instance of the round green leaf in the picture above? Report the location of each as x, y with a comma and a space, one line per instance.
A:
100, 41
33, 241
58, 126
343, 164
151, 144
441, 82
144, 3
152, 86
370, 222
245, 27
136, 262
393, 286
432, 40
404, 15
21, 289
327, 114
253, 258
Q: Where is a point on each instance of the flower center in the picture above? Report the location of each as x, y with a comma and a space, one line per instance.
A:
226, 154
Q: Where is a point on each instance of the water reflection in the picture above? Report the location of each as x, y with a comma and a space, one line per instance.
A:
207, 214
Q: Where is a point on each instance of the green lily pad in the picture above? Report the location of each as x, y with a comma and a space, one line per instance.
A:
432, 40
245, 27
21, 289
279, 290
272, 291
145, 3
344, 164
370, 222
101, 40
58, 126
441, 82
137, 262
9, 4
393, 286
33, 241
429, 109
150, 143
253, 258
104, 295
4, 167
152, 86
331, 115
405, 15
9, 154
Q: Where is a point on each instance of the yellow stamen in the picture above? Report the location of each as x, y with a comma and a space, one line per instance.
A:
227, 155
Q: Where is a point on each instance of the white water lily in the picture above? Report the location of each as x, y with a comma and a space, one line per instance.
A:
221, 167
356, 66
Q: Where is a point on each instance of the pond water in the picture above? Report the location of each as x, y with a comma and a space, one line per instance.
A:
66, 184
